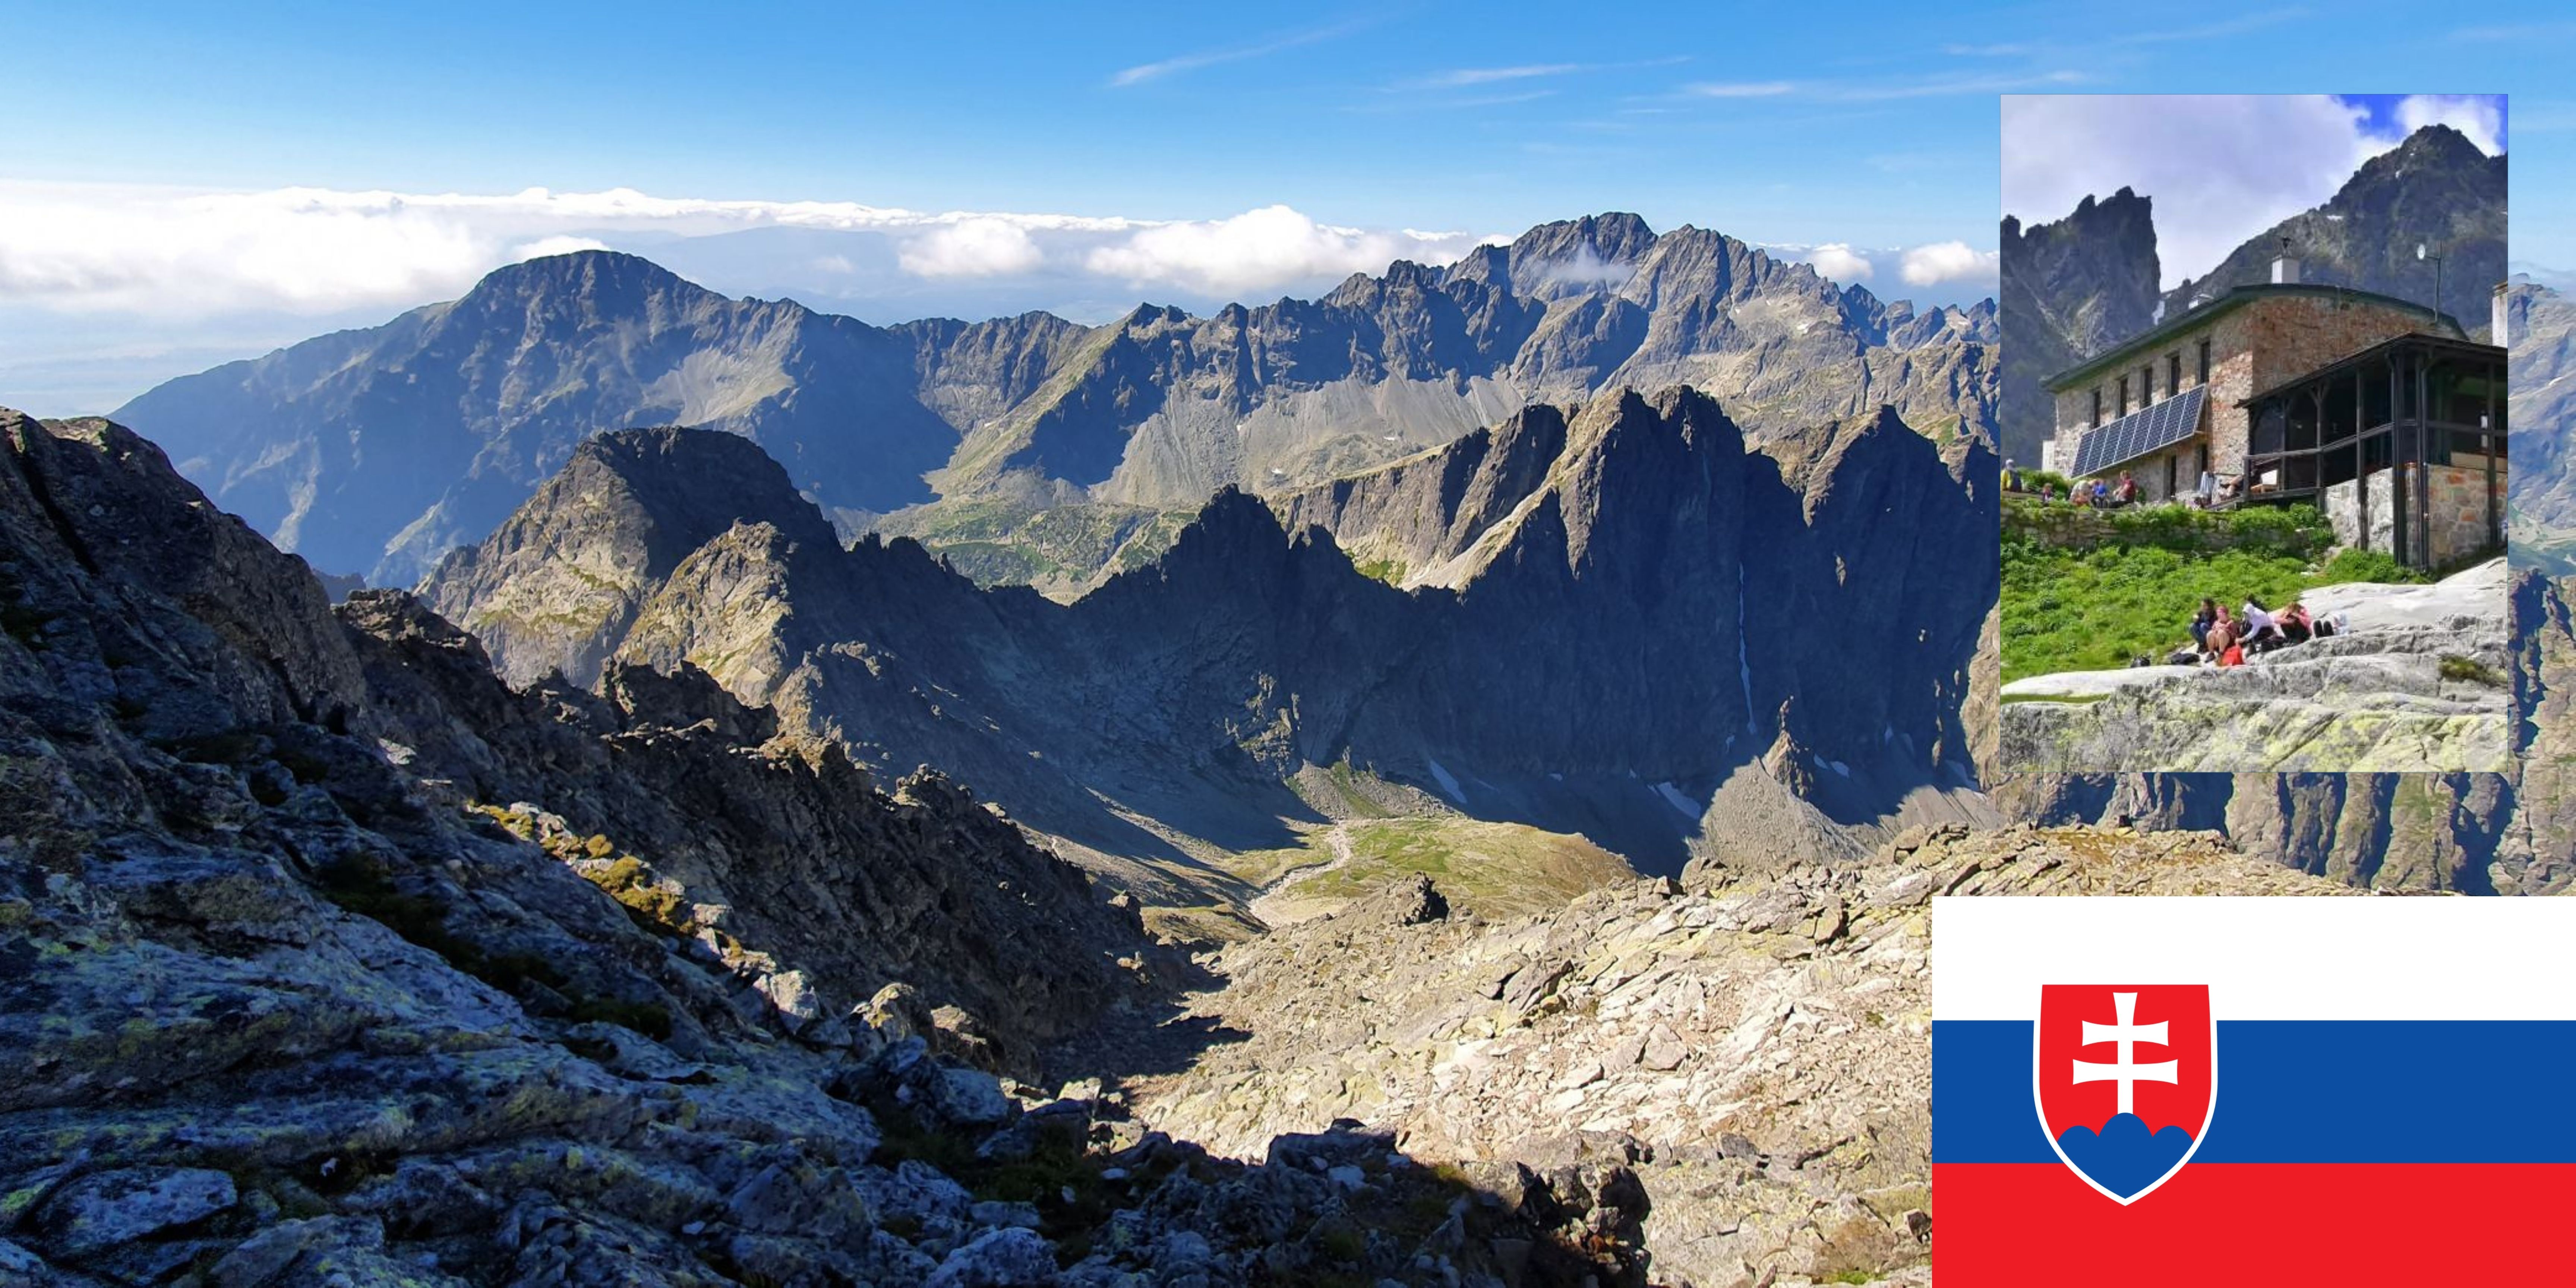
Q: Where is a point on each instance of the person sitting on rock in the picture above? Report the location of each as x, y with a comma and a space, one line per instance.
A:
2128, 493
2295, 625
2203, 620
2262, 633
2221, 640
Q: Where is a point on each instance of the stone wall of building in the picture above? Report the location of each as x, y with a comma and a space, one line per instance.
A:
2253, 346
2461, 502
2343, 511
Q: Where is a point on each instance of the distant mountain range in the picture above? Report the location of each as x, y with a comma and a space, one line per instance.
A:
2073, 288
378, 450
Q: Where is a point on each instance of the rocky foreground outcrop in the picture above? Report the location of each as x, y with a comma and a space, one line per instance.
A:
325, 958
2420, 684
1751, 1049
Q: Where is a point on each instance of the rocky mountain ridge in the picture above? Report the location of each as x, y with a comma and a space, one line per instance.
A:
2069, 290
1246, 676
378, 450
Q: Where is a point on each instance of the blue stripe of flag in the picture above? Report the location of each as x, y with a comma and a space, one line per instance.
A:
2300, 1091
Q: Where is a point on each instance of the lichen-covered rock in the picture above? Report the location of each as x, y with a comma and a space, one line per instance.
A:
105, 1210
2419, 684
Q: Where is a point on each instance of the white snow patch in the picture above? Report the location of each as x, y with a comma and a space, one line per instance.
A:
1673, 796
1448, 784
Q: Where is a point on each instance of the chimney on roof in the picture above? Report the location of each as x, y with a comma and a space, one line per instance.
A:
2285, 266
2497, 311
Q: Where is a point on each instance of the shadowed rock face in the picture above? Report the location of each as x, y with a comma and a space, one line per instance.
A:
1591, 636
214, 660
378, 450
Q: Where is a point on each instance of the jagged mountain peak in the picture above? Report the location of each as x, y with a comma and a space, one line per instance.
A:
1578, 256
1614, 235
698, 480
2071, 288
2437, 144
567, 572
614, 279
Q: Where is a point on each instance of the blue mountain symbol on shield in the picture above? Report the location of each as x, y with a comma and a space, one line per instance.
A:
2123, 1157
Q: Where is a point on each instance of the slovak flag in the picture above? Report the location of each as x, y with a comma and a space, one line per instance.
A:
2219, 1091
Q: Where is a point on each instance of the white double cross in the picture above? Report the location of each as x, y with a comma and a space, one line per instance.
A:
2126, 1071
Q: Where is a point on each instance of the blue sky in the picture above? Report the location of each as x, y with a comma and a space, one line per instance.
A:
1139, 144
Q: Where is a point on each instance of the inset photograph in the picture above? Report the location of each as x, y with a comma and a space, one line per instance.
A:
2253, 420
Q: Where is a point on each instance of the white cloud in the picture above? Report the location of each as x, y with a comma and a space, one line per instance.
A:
1465, 76
1588, 269
1739, 89
1950, 261
985, 246
544, 246
1143, 72
1841, 263
1259, 250
1488, 75
106, 249
2479, 116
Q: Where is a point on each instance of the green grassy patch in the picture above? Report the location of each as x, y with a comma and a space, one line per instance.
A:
2066, 699
1390, 571
1493, 869
2470, 669
2130, 585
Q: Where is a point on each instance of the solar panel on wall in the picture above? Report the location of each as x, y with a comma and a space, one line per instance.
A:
2140, 432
